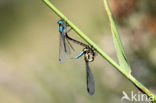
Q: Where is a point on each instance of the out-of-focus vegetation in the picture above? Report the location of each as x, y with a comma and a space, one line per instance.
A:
29, 67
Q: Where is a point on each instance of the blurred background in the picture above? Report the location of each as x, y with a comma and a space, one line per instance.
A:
29, 68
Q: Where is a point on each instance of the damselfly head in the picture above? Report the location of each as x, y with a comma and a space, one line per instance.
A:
60, 22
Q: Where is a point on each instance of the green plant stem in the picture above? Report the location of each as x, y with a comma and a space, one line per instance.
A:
81, 34
100, 51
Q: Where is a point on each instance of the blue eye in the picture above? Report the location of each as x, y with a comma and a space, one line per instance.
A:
60, 22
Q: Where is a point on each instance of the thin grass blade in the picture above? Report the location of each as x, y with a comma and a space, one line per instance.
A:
117, 42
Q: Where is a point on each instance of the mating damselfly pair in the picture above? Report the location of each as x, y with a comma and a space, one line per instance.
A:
88, 52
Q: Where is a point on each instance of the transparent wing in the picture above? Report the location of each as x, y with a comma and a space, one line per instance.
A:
70, 44
64, 49
67, 47
90, 79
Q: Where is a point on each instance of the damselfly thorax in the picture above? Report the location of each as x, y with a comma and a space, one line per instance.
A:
89, 54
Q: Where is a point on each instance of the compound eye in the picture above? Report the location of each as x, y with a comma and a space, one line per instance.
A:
60, 22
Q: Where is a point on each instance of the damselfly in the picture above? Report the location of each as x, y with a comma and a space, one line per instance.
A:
64, 46
89, 55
